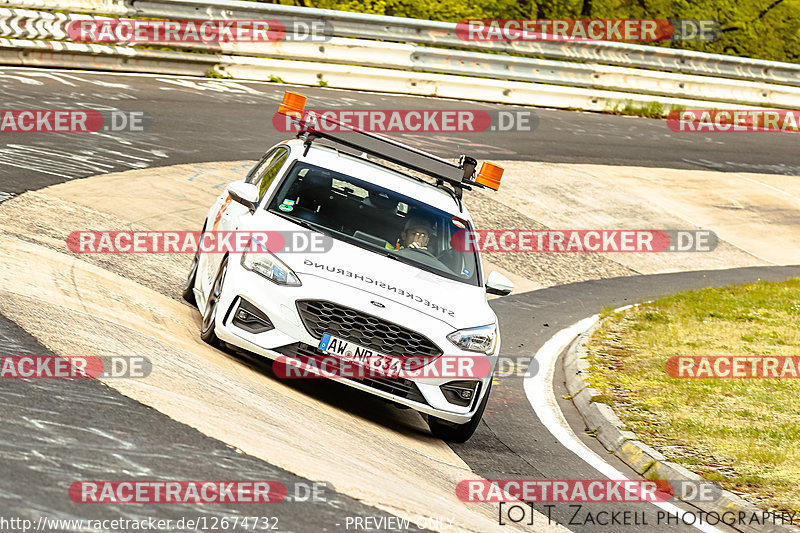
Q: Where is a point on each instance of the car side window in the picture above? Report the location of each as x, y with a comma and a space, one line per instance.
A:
264, 174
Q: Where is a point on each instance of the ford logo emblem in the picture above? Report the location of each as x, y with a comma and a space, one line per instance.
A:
377, 304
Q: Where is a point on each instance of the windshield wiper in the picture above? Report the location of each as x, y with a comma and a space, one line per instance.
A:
387, 253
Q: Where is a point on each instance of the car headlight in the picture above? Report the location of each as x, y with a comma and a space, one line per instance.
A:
481, 339
272, 268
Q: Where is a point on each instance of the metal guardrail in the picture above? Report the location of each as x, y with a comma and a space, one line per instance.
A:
365, 26
120, 58
737, 81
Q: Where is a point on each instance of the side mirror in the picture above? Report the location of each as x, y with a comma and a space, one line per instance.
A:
245, 194
498, 284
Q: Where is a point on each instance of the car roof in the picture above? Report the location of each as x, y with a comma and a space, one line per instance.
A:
333, 159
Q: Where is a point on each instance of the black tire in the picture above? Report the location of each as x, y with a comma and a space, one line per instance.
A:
188, 293
450, 432
188, 287
210, 313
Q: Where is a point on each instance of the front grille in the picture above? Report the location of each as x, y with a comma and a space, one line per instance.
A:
320, 316
402, 388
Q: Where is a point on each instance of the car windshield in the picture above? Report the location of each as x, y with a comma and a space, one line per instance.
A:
376, 219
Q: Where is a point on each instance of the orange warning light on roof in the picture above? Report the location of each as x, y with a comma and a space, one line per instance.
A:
293, 104
490, 175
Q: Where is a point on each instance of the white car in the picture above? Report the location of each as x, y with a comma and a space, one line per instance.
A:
391, 281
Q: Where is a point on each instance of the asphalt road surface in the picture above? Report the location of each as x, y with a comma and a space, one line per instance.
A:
195, 120
56, 431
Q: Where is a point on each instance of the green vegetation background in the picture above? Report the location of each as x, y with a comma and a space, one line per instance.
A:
764, 29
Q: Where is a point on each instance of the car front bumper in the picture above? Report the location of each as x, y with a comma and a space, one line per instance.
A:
277, 302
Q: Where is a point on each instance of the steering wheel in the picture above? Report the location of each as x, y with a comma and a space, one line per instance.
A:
421, 250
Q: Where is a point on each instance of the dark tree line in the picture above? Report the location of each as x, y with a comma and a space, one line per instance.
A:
764, 29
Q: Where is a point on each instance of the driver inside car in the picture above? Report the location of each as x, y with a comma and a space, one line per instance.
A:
416, 234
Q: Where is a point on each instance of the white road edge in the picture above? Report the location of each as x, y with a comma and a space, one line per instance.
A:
539, 390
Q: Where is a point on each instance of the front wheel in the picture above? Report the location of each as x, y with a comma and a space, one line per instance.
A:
188, 287
210, 314
450, 432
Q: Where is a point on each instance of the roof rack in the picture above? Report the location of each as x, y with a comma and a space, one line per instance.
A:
459, 176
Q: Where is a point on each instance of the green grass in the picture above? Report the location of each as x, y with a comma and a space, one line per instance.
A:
214, 73
651, 110
744, 433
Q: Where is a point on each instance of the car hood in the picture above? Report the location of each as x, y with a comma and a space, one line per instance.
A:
456, 304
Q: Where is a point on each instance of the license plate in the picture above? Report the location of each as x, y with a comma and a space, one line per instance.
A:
360, 355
